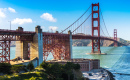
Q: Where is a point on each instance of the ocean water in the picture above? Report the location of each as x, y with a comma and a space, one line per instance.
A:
117, 59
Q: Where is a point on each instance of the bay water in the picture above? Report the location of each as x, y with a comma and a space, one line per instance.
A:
117, 59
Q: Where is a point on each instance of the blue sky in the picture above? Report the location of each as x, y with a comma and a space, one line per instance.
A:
59, 14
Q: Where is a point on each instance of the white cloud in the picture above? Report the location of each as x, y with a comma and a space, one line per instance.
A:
22, 21
11, 10
48, 17
2, 14
3, 10
54, 28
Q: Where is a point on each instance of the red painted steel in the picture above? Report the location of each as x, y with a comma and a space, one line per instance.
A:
57, 44
115, 37
5, 51
6, 36
95, 27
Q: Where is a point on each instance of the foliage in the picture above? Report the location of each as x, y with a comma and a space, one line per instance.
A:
76, 66
57, 71
26, 76
68, 67
59, 78
18, 68
54, 70
30, 66
36, 78
5, 68
44, 65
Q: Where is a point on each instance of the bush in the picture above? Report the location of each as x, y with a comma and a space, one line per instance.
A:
59, 78
30, 66
5, 68
35, 78
58, 71
44, 65
18, 68
76, 66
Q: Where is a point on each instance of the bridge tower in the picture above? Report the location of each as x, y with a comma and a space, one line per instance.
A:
95, 28
115, 37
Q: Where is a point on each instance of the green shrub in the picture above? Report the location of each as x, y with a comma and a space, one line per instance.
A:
34, 78
59, 78
76, 66
18, 68
58, 71
5, 68
30, 66
44, 65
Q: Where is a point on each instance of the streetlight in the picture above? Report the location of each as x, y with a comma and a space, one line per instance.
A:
10, 24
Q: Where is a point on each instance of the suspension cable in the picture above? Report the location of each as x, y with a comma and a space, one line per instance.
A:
82, 23
104, 23
77, 19
102, 30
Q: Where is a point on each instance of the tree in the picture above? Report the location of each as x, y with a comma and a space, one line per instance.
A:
30, 66
54, 70
44, 65
76, 66
18, 68
5, 68
68, 69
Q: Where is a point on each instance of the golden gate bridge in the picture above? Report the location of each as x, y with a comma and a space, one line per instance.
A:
41, 44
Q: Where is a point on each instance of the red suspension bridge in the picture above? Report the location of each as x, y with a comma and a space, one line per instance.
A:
41, 44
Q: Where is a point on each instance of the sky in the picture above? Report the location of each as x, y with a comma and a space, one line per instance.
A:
59, 14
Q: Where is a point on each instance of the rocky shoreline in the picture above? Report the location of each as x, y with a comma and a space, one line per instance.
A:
110, 75
98, 74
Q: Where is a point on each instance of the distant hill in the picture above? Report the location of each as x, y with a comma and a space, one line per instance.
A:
83, 42
12, 44
87, 42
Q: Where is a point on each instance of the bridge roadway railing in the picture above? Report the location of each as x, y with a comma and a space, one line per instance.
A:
91, 37
95, 37
15, 35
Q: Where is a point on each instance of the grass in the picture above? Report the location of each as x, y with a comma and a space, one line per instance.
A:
37, 74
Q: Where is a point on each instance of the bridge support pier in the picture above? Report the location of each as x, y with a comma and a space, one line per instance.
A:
21, 48
36, 47
70, 44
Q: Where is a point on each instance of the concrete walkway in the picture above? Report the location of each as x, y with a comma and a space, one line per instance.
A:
96, 74
18, 62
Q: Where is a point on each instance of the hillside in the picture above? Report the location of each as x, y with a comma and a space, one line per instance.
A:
12, 44
88, 42
103, 42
